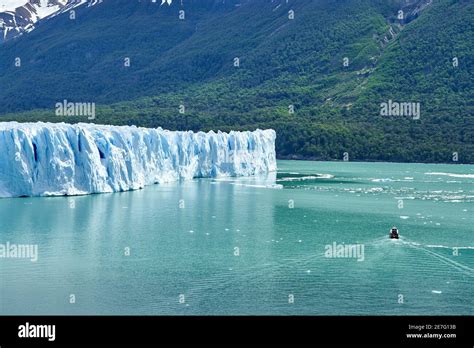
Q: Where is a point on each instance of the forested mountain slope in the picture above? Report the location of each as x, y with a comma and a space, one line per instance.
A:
315, 71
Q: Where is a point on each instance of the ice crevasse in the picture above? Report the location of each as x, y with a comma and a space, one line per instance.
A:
46, 159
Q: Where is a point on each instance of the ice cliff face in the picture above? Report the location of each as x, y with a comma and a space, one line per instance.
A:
44, 159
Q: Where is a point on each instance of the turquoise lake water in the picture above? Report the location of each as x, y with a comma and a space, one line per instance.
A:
251, 245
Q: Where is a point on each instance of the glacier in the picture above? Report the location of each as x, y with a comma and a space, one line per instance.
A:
52, 159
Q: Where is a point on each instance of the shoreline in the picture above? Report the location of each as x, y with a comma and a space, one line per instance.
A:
317, 159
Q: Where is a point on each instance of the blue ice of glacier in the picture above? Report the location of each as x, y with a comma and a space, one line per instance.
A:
46, 159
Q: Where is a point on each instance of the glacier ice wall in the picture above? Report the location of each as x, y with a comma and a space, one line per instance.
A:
46, 159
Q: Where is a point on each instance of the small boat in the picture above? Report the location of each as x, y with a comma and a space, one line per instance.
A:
394, 233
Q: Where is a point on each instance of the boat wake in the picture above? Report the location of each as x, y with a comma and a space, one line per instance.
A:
446, 260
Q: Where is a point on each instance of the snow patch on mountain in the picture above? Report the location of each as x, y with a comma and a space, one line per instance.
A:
11, 5
23, 19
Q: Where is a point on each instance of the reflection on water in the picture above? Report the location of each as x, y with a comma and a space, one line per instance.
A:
243, 245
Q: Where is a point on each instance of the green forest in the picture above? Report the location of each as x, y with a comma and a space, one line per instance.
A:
318, 78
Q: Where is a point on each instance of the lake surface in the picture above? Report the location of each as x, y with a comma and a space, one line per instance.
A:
251, 245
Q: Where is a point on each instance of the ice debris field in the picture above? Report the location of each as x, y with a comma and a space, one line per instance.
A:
46, 159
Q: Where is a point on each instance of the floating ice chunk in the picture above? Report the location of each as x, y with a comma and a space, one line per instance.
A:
454, 175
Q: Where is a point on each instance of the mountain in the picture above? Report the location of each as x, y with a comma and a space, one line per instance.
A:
316, 71
24, 19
